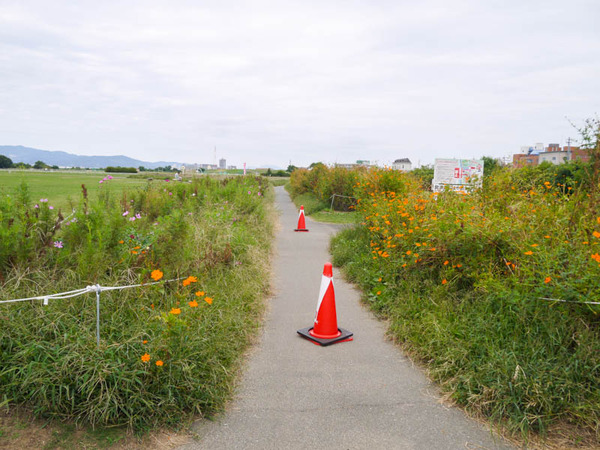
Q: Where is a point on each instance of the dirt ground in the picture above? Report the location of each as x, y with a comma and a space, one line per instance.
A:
19, 430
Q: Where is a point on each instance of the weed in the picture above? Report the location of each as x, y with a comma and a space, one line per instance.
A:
153, 367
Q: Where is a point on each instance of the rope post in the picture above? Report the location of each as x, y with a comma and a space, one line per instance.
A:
332, 199
97, 315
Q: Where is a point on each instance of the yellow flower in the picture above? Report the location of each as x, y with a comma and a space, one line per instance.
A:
175, 311
145, 357
208, 300
193, 304
159, 363
156, 275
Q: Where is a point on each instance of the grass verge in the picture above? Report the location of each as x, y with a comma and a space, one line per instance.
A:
168, 351
527, 366
319, 210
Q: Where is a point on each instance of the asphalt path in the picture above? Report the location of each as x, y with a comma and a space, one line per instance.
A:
352, 395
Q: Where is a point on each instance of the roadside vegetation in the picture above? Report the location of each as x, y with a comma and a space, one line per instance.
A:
490, 290
168, 351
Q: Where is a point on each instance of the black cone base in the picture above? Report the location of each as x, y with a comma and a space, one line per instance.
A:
303, 229
345, 336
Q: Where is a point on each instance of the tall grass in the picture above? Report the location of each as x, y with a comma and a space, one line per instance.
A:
167, 351
463, 280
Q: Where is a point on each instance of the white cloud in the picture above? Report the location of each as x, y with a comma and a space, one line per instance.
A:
268, 82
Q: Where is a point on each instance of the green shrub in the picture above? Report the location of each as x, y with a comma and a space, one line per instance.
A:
215, 230
119, 169
465, 281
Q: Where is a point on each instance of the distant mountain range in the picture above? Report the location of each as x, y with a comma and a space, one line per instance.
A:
18, 153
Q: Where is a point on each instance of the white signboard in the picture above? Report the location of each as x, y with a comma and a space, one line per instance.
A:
457, 174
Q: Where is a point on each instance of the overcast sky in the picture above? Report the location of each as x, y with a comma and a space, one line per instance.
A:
274, 82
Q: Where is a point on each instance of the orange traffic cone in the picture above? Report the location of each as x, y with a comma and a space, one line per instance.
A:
325, 330
301, 221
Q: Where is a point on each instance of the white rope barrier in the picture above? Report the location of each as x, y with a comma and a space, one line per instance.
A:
568, 301
92, 288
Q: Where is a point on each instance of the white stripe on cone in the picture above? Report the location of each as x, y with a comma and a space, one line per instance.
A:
325, 281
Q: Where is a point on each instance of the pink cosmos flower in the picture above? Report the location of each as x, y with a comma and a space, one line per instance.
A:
125, 213
58, 244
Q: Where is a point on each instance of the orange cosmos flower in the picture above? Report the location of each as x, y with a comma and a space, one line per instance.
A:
547, 280
175, 311
444, 281
156, 275
596, 234
208, 300
189, 280
144, 342
529, 252
121, 241
145, 357
596, 257
193, 304
446, 262
159, 363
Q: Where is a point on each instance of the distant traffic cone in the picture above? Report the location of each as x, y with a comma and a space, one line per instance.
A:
325, 330
301, 221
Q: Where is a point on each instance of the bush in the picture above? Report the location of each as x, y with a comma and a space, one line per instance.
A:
167, 351
464, 281
119, 169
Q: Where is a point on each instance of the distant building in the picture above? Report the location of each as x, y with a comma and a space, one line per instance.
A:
403, 165
231, 167
346, 165
532, 156
222, 163
189, 168
553, 156
525, 159
207, 166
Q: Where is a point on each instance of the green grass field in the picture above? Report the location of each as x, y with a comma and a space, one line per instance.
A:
60, 188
